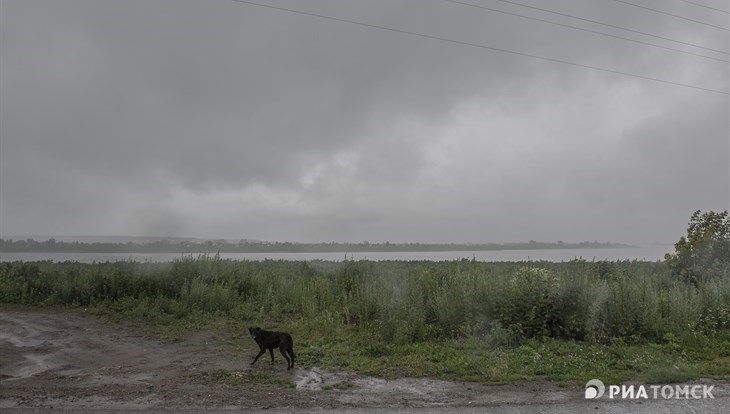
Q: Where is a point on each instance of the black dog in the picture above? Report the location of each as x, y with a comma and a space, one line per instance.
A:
270, 340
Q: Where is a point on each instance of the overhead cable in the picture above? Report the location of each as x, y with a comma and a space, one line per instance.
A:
611, 25
496, 49
585, 30
670, 14
707, 7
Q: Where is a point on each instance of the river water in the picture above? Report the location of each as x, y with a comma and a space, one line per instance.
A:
643, 253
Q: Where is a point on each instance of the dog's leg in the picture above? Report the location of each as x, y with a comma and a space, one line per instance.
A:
289, 364
271, 351
291, 354
263, 351
290, 350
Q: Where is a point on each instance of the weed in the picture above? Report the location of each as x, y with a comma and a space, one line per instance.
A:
237, 378
488, 322
339, 386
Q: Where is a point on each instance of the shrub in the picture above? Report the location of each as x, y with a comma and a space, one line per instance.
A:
527, 306
705, 253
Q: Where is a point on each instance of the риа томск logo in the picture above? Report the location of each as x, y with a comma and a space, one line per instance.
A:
595, 388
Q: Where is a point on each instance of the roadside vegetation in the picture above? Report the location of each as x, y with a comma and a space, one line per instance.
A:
489, 322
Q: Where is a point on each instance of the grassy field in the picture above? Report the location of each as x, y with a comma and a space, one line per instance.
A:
465, 320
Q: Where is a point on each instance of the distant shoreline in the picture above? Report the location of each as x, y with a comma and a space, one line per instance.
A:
223, 246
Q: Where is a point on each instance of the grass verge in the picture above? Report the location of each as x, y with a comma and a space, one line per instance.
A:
474, 359
457, 320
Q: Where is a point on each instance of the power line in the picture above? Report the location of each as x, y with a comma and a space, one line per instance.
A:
496, 49
673, 15
585, 30
611, 25
707, 7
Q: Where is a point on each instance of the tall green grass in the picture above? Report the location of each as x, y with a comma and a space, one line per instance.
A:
396, 302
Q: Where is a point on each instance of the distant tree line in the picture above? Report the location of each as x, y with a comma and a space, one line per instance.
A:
248, 246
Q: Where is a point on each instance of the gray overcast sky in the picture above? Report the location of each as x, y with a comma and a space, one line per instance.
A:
214, 118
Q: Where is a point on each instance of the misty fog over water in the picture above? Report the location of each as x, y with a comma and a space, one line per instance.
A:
645, 253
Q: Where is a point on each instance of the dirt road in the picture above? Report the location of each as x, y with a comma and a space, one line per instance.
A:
64, 359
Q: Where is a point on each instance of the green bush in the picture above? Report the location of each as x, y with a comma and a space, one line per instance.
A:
704, 254
527, 305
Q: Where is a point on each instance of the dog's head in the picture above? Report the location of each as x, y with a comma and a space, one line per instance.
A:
254, 332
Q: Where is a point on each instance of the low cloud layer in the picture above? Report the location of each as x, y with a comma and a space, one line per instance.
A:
226, 120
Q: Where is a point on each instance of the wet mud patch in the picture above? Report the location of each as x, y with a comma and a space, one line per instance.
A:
72, 360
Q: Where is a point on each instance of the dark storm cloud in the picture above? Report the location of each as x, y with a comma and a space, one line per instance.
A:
221, 119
